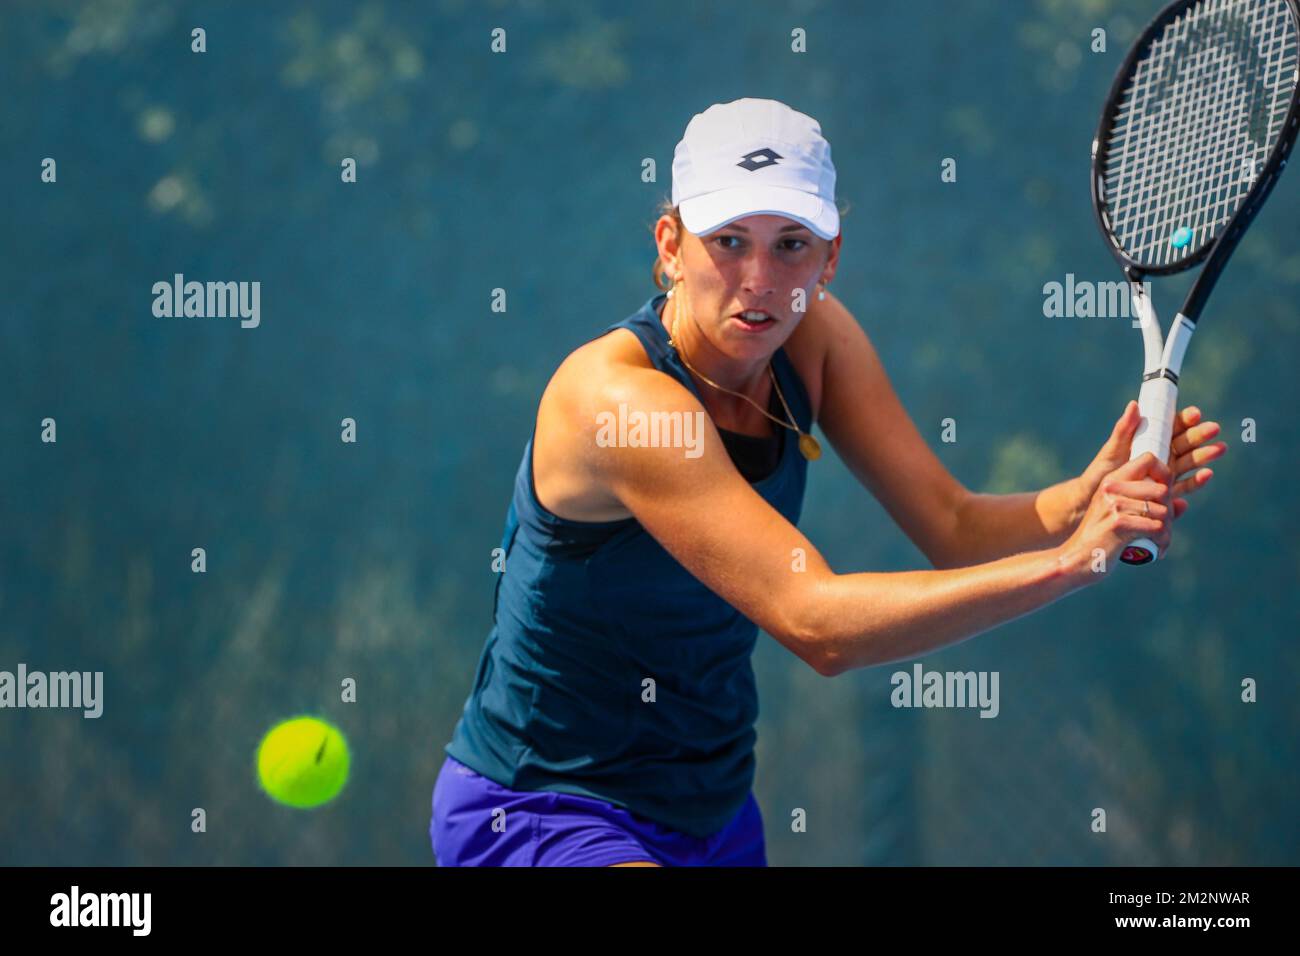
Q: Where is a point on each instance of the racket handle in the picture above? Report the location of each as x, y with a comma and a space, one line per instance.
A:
1157, 404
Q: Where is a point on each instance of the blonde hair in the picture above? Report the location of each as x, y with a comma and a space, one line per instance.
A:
666, 208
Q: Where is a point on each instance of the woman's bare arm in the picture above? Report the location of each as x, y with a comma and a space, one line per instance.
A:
712, 521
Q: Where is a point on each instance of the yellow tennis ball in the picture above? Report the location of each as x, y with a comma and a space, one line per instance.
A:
303, 762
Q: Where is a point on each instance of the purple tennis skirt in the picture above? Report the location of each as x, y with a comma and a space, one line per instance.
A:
477, 822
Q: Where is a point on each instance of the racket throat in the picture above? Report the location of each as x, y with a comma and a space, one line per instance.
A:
1158, 397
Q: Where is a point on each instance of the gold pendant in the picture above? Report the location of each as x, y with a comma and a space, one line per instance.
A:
810, 447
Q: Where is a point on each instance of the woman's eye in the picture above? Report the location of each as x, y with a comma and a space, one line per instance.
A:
794, 245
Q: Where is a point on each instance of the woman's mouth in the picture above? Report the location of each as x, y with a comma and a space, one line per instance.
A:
753, 320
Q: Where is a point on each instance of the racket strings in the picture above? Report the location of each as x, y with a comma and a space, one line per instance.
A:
1189, 144
1171, 174
1200, 115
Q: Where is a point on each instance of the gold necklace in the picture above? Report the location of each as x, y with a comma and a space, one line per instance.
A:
809, 447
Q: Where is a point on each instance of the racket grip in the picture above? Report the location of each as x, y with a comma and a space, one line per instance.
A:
1157, 404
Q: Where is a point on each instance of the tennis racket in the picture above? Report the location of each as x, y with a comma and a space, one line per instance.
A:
1196, 130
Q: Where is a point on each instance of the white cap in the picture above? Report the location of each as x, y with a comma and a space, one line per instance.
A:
754, 157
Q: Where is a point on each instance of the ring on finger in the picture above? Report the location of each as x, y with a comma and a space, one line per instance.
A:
1146, 508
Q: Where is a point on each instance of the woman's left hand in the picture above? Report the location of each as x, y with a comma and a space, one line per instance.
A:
1188, 452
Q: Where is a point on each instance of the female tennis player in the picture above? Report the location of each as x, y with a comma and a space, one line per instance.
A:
611, 716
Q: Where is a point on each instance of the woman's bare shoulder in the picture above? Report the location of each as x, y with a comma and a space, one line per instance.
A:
593, 379
588, 372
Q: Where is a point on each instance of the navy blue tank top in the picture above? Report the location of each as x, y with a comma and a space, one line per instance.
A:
586, 615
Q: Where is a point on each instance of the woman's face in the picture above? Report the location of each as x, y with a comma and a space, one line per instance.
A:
756, 263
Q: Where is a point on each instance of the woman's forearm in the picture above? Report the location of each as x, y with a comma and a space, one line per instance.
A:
988, 527
860, 620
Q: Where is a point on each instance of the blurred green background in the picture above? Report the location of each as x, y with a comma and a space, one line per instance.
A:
522, 171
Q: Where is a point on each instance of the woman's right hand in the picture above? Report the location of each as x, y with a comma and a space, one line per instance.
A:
1131, 502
